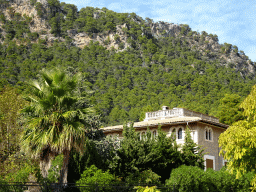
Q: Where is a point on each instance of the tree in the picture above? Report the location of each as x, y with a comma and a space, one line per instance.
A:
10, 104
93, 177
144, 111
228, 110
238, 142
55, 119
192, 154
136, 154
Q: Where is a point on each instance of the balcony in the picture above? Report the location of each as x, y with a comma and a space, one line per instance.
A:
166, 113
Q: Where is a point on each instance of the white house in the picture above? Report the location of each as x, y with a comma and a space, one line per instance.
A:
205, 130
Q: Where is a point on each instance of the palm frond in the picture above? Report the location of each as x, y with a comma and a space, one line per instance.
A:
56, 117
48, 80
36, 85
58, 91
70, 115
68, 101
58, 77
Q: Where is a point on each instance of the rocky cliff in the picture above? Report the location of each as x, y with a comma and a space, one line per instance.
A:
206, 45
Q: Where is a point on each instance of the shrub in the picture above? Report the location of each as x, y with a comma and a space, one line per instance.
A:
18, 169
121, 45
146, 189
33, 36
189, 178
144, 177
117, 37
93, 176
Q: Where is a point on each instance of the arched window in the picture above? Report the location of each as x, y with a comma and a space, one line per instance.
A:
142, 135
208, 134
180, 133
174, 133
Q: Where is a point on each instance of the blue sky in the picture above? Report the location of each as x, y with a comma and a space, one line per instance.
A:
232, 20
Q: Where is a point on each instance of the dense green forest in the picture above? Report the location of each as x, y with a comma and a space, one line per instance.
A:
124, 83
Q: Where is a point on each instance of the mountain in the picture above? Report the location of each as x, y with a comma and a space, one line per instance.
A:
132, 65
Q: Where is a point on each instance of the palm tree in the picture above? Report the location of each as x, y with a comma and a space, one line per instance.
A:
54, 122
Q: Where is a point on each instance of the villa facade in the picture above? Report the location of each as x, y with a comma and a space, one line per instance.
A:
205, 130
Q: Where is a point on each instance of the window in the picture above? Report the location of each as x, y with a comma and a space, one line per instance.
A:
180, 133
154, 133
224, 162
208, 134
209, 162
142, 135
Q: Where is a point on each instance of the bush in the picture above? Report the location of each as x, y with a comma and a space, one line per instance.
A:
144, 177
18, 169
121, 45
93, 176
33, 36
146, 189
189, 178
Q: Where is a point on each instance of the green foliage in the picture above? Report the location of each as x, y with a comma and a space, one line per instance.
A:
192, 154
90, 157
54, 171
32, 2
189, 178
33, 36
2, 18
146, 189
144, 177
93, 176
55, 121
238, 142
117, 37
138, 154
17, 27
229, 110
143, 112
10, 130
100, 150
19, 168
39, 8
121, 45
151, 72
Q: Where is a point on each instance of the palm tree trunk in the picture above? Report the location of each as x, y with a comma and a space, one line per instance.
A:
46, 161
45, 165
64, 169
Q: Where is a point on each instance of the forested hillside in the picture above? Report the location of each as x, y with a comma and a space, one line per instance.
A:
130, 65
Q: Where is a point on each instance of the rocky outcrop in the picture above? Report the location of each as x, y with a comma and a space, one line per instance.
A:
206, 45
108, 40
24, 7
164, 29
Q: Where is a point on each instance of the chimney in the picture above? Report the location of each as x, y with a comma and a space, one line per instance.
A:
164, 108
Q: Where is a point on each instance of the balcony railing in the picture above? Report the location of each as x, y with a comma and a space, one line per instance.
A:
177, 112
